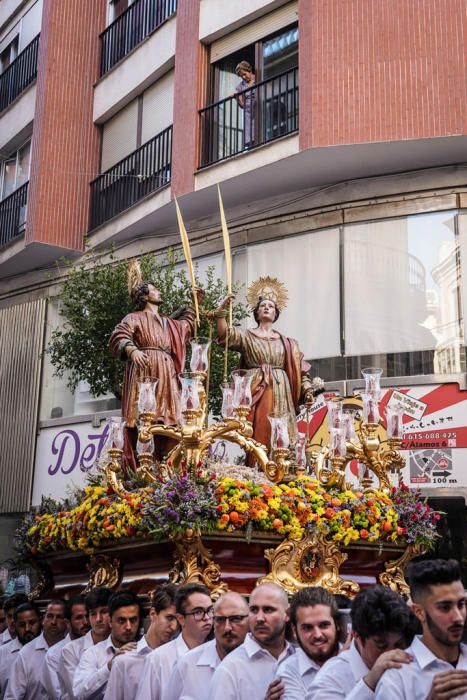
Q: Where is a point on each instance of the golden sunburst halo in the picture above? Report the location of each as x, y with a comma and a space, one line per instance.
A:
267, 288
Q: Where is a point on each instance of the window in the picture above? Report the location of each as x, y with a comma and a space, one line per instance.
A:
8, 55
15, 170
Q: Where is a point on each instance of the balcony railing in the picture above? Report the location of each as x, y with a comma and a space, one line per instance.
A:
249, 119
19, 74
131, 27
144, 171
13, 214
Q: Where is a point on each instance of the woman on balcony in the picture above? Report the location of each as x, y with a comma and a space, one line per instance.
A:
280, 380
247, 101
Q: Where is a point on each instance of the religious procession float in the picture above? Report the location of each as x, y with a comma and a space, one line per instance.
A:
162, 505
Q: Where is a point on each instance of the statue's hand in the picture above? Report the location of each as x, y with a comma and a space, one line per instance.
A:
226, 301
139, 358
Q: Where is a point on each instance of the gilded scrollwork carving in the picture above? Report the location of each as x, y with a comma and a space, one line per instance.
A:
44, 582
193, 563
103, 571
311, 561
393, 576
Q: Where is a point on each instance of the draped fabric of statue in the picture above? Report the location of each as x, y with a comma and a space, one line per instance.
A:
279, 381
163, 340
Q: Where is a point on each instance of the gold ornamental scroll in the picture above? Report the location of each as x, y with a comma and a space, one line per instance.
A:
189, 261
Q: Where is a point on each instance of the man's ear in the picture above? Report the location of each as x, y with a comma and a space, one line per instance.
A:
180, 619
418, 611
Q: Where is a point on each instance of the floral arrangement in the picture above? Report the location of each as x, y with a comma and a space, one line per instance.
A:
209, 503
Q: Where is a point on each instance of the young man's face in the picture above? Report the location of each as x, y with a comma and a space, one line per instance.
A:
79, 621
268, 615
376, 644
197, 619
124, 624
28, 626
54, 623
316, 632
165, 623
442, 612
100, 621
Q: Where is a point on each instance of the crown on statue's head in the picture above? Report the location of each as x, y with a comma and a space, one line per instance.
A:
267, 288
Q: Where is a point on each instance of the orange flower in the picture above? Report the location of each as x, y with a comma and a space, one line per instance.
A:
336, 502
364, 534
234, 516
329, 513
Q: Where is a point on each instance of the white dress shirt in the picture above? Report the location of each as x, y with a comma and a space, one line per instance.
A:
8, 654
126, 673
246, 672
342, 677
68, 663
413, 681
158, 668
92, 672
49, 677
193, 673
297, 673
25, 676
5, 636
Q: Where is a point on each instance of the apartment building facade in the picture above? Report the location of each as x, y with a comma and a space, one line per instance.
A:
342, 170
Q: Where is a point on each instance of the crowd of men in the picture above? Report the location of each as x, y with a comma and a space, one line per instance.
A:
271, 648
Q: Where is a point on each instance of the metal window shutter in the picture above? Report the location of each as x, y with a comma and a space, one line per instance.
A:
21, 348
30, 25
119, 135
250, 33
158, 103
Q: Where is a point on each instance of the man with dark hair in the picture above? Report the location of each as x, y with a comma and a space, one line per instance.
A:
25, 678
127, 669
315, 621
194, 611
92, 674
247, 672
382, 627
97, 612
9, 606
29, 626
193, 672
438, 670
77, 625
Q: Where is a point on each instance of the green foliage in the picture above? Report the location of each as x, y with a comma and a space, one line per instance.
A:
94, 298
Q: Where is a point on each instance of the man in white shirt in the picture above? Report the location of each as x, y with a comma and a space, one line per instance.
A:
315, 620
3, 625
382, 627
77, 624
194, 614
28, 620
93, 670
439, 666
25, 677
9, 607
97, 610
246, 673
193, 672
127, 669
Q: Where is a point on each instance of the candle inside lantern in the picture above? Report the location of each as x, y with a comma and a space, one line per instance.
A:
242, 387
189, 399
199, 354
394, 421
279, 431
370, 409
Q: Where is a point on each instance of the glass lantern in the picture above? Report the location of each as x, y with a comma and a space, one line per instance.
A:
147, 395
370, 409
338, 447
115, 435
300, 446
279, 431
227, 402
394, 421
334, 407
145, 448
189, 399
372, 376
348, 425
199, 354
242, 388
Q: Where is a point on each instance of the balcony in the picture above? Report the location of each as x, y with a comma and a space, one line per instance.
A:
137, 22
13, 214
143, 172
19, 74
249, 119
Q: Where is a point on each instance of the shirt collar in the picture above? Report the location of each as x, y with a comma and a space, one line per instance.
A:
40, 643
425, 656
252, 648
209, 655
181, 646
356, 661
143, 647
305, 663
